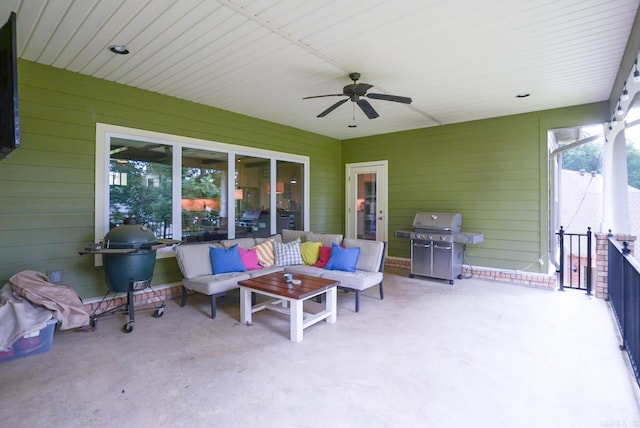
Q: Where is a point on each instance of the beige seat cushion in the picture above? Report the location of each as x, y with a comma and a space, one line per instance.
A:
326, 238
246, 243
214, 284
194, 259
289, 235
371, 253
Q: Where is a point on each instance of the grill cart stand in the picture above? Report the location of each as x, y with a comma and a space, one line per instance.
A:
128, 307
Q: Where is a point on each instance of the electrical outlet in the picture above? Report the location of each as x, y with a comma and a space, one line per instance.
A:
55, 276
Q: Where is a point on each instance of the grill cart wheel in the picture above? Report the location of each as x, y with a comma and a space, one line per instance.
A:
158, 312
128, 327
94, 321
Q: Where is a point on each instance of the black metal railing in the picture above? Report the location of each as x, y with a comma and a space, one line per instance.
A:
624, 295
575, 269
162, 229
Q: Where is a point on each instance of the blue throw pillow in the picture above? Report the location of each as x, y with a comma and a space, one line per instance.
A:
224, 260
344, 259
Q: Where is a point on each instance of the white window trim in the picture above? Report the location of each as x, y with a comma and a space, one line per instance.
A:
104, 132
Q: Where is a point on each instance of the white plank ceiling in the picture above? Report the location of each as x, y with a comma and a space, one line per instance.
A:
459, 60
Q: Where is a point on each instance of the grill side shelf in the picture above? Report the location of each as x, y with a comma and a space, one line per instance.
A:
402, 234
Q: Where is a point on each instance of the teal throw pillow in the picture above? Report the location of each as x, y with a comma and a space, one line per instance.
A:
225, 260
344, 259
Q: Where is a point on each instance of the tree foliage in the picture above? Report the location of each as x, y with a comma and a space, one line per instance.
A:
146, 195
633, 166
589, 157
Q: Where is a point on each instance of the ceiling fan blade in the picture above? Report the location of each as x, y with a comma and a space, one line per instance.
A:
320, 96
333, 107
367, 109
385, 97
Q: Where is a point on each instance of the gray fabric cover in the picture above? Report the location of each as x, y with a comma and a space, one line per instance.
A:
63, 300
19, 317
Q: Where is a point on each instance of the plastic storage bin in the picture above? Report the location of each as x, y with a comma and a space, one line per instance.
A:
32, 345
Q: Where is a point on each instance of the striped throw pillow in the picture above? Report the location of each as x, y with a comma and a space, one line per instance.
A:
266, 255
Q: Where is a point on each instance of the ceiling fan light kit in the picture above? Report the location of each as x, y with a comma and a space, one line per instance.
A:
355, 93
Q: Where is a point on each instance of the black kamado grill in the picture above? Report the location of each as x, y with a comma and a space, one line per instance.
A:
129, 257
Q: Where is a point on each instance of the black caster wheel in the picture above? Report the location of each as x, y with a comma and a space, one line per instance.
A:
158, 312
128, 327
460, 276
451, 282
93, 322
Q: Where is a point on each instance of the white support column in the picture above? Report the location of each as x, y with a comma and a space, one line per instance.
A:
295, 321
615, 203
245, 305
332, 304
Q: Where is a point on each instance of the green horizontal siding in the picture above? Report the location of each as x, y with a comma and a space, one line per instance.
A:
47, 185
492, 171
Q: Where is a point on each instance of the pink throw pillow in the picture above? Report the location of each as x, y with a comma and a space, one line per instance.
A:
325, 254
249, 259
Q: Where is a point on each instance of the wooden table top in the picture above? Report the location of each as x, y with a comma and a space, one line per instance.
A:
274, 283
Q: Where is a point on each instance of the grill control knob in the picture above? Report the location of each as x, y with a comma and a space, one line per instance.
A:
443, 237
430, 236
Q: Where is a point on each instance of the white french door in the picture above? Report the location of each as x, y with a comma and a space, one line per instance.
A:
366, 200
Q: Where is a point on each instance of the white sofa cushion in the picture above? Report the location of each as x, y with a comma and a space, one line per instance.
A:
259, 272
213, 284
371, 253
277, 238
326, 238
304, 269
289, 235
194, 260
246, 243
358, 280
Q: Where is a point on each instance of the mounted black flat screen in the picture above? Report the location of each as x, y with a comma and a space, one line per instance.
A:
9, 117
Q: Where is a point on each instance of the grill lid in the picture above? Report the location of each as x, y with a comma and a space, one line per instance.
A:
130, 235
451, 222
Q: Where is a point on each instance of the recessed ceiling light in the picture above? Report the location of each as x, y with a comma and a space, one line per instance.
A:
119, 49
525, 95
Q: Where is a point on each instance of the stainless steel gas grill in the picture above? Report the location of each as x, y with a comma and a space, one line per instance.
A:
437, 245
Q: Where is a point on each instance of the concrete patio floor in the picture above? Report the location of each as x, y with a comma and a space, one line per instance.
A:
475, 354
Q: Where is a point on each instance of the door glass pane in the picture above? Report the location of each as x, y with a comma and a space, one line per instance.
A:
204, 195
366, 206
140, 184
251, 197
289, 195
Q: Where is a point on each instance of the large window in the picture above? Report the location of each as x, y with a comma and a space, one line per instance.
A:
253, 202
290, 195
204, 200
196, 190
140, 184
